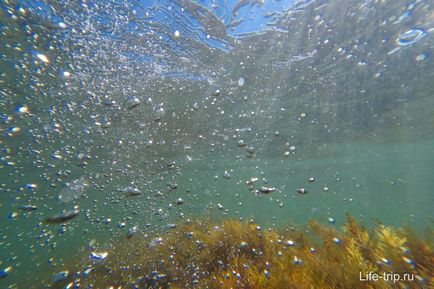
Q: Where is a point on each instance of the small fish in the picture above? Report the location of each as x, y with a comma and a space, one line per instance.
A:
28, 208
62, 217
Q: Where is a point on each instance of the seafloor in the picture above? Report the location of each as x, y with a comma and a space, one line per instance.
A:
230, 253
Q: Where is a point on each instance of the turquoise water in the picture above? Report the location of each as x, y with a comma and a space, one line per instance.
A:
191, 100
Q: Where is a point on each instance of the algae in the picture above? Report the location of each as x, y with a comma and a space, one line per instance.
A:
241, 254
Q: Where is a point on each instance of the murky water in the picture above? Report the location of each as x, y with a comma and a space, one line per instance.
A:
123, 118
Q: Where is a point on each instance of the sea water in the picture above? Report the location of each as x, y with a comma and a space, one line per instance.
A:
123, 117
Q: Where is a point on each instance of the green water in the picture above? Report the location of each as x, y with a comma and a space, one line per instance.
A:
339, 91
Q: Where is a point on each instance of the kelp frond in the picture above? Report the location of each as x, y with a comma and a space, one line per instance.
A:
233, 254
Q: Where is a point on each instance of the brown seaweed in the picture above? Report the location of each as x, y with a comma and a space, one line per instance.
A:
236, 254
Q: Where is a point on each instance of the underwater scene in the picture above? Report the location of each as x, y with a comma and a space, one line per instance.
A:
234, 144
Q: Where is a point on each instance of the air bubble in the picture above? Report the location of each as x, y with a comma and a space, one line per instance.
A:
410, 37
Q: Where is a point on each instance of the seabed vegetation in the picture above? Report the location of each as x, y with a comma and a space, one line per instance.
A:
240, 254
